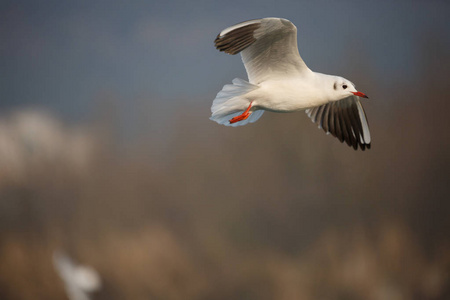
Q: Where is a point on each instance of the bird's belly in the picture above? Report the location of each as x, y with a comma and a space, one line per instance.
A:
286, 99
281, 105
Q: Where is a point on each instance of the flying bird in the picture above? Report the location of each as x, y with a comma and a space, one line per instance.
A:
80, 281
280, 81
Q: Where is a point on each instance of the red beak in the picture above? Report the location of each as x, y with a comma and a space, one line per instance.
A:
360, 94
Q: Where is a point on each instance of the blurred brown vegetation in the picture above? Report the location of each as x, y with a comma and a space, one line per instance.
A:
274, 210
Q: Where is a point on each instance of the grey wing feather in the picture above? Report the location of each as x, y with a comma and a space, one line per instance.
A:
268, 47
345, 120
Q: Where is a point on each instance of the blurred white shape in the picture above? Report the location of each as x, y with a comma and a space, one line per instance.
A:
33, 140
79, 280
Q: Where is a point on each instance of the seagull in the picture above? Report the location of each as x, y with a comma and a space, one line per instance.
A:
80, 281
279, 81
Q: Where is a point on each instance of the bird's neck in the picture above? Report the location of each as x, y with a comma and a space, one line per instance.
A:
324, 84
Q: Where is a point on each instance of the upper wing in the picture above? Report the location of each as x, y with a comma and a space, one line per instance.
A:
269, 47
344, 119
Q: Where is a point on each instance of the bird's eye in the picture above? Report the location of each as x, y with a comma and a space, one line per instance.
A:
344, 86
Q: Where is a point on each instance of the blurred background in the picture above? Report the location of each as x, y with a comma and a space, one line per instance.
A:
107, 153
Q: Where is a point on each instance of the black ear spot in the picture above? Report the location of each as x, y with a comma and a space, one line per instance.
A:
344, 86
334, 86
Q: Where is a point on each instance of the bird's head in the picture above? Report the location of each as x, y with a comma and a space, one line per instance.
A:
344, 88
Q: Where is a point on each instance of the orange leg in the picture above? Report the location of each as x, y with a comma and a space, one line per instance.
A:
242, 116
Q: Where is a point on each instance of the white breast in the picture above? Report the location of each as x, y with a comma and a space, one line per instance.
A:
288, 95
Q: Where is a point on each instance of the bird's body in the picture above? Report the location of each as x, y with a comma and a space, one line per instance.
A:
291, 94
280, 81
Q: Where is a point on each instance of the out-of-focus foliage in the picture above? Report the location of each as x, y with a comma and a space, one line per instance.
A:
274, 210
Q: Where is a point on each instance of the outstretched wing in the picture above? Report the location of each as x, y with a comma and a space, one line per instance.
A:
268, 48
344, 119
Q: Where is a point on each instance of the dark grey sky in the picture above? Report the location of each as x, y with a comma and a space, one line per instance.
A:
62, 55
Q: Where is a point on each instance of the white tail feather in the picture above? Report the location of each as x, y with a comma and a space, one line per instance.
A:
231, 102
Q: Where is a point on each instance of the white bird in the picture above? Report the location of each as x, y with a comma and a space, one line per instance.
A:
80, 281
280, 81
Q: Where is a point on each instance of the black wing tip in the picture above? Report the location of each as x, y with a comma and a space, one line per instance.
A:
363, 147
220, 48
236, 40
356, 146
343, 123
350, 143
